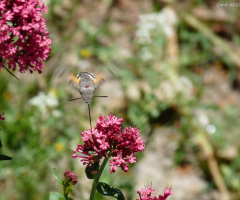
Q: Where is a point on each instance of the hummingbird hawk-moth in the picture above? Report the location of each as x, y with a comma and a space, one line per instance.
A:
86, 84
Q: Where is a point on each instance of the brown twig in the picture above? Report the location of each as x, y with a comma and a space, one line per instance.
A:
206, 147
232, 52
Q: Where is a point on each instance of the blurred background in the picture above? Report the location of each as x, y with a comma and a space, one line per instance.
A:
171, 67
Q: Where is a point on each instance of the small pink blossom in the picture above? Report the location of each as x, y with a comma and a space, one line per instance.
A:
70, 177
3, 4
145, 194
24, 39
109, 140
17, 8
9, 15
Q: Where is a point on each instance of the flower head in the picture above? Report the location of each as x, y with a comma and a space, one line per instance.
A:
24, 39
153, 24
70, 177
108, 139
44, 101
145, 194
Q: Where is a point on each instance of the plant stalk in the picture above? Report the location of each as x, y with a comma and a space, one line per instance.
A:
96, 179
65, 193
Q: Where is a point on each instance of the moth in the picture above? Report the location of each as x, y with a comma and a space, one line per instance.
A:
86, 83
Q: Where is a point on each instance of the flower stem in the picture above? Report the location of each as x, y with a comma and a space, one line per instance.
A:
65, 194
96, 179
65, 190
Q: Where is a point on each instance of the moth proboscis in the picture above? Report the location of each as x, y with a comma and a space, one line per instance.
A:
86, 84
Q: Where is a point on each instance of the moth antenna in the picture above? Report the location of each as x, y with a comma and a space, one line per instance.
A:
11, 73
89, 115
74, 99
100, 96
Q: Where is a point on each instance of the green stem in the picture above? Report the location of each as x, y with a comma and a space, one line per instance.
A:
96, 179
65, 193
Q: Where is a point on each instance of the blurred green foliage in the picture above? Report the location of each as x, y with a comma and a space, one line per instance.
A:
186, 83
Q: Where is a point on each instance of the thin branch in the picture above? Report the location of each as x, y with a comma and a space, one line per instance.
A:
11, 72
212, 163
231, 51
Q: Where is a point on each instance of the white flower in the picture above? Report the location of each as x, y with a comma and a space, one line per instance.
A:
57, 113
155, 23
170, 88
202, 117
145, 54
184, 86
43, 101
170, 16
51, 100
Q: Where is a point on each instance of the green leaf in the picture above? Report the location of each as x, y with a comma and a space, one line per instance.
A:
56, 176
89, 170
107, 190
3, 157
56, 196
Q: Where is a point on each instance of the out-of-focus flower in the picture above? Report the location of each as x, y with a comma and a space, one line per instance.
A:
59, 146
145, 194
152, 24
85, 53
7, 96
108, 139
70, 177
24, 39
145, 54
1, 117
57, 113
202, 117
169, 89
43, 101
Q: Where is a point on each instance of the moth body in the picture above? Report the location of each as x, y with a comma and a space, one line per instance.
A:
86, 86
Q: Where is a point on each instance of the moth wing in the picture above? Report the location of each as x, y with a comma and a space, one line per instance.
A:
98, 80
74, 80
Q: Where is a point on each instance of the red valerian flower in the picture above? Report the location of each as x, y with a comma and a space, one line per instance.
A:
109, 140
1, 117
70, 177
24, 39
145, 194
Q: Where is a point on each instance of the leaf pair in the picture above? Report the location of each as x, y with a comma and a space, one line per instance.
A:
103, 188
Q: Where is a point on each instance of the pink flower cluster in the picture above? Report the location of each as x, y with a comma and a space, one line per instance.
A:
1, 117
108, 139
70, 177
145, 194
24, 39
